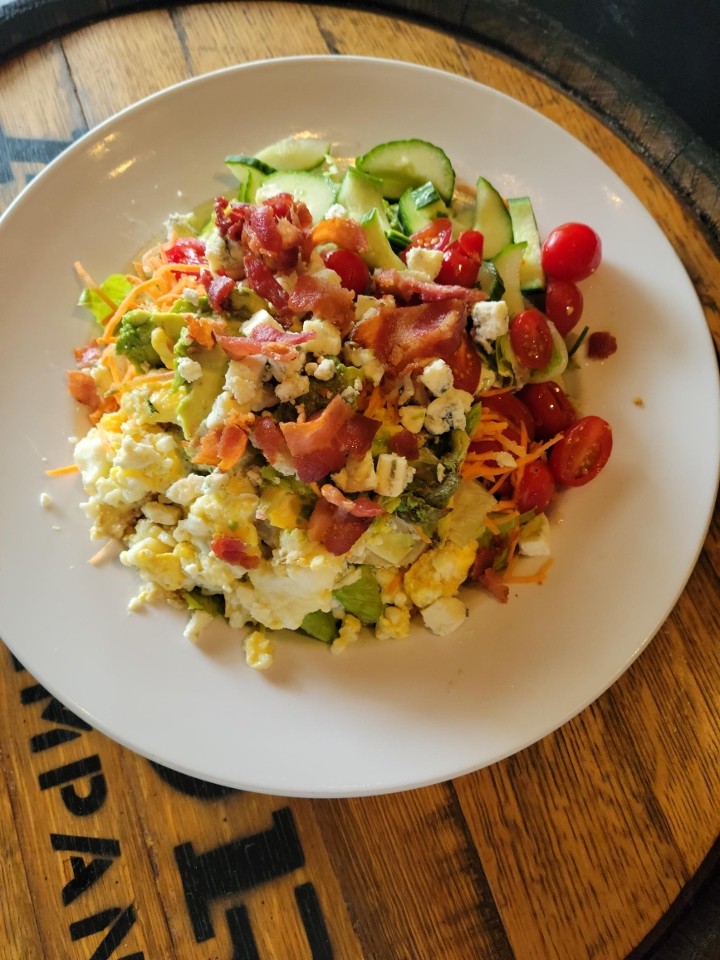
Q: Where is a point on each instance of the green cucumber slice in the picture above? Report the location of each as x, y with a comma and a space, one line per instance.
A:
489, 280
524, 227
250, 173
316, 191
295, 153
360, 194
491, 219
378, 252
419, 206
409, 163
507, 263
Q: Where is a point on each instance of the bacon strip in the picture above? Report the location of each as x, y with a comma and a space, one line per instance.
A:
318, 433
234, 550
399, 335
405, 287
326, 300
362, 507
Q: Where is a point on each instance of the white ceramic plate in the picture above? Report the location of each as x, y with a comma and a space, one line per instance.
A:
382, 716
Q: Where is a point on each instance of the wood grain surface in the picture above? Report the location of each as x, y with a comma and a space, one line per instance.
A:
576, 848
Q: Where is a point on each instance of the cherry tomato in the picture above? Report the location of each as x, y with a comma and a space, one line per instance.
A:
351, 268
549, 406
435, 236
471, 243
571, 251
466, 366
563, 305
531, 339
582, 453
462, 259
513, 409
536, 487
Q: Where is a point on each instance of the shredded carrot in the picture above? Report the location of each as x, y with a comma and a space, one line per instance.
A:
374, 403
160, 280
62, 471
91, 285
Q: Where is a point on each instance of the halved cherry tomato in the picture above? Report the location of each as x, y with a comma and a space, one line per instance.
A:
531, 339
466, 365
549, 406
571, 251
513, 409
462, 259
563, 305
536, 487
582, 453
351, 268
435, 236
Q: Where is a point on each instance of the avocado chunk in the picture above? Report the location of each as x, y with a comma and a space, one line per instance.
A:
201, 393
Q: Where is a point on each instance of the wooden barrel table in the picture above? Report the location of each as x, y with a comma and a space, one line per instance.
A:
589, 844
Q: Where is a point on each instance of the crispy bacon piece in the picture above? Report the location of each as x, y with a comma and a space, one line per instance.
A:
218, 289
186, 250
399, 335
262, 281
264, 339
493, 582
88, 355
601, 345
222, 446
405, 444
362, 507
81, 387
234, 550
231, 217
268, 437
357, 434
336, 529
326, 300
406, 287
319, 432
315, 466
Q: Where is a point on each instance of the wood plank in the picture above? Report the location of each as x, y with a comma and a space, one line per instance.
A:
222, 34
49, 120
412, 878
119, 61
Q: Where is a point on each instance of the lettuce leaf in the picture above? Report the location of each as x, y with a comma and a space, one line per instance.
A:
361, 598
116, 287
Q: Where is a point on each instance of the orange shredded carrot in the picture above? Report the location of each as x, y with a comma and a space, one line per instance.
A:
160, 279
62, 471
375, 402
91, 285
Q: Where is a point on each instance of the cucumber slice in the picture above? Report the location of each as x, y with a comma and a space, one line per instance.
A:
250, 173
409, 163
295, 153
558, 361
491, 219
524, 227
360, 194
489, 280
378, 252
419, 206
507, 263
316, 191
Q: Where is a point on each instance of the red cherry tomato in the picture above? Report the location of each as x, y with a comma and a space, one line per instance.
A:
549, 406
471, 243
571, 251
462, 259
352, 269
466, 366
582, 453
536, 487
531, 339
435, 236
563, 305
513, 409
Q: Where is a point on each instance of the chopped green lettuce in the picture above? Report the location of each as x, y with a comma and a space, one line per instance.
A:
115, 287
197, 600
362, 597
320, 625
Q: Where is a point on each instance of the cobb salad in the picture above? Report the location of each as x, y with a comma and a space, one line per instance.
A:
333, 398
